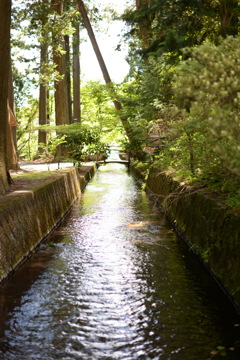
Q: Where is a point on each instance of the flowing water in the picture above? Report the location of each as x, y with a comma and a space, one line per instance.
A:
114, 282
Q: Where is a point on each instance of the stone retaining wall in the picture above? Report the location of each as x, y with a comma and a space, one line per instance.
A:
27, 216
211, 230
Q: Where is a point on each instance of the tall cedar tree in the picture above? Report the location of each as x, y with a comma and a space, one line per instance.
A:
12, 158
76, 73
5, 21
67, 4
43, 87
59, 58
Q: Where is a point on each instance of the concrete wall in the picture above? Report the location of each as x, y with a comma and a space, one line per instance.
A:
27, 216
211, 229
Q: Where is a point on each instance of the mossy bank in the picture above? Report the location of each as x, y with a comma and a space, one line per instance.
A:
210, 228
28, 215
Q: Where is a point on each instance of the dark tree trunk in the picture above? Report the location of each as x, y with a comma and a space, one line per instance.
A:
43, 90
11, 126
229, 17
5, 21
68, 76
61, 88
145, 24
76, 74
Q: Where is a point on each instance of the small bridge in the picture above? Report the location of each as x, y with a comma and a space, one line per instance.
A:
104, 162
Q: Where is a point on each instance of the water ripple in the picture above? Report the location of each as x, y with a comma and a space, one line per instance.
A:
117, 284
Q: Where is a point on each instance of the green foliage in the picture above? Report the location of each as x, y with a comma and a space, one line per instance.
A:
224, 185
172, 25
222, 351
23, 87
207, 86
83, 141
148, 86
78, 140
24, 52
204, 254
200, 129
54, 143
98, 112
100, 125
26, 136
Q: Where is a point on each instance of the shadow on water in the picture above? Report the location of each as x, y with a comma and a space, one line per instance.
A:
115, 282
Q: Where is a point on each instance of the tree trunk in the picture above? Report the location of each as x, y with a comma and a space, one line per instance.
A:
191, 154
145, 24
68, 76
76, 74
43, 90
229, 17
5, 20
60, 85
102, 64
12, 158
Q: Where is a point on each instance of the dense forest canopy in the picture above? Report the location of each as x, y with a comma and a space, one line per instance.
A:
177, 108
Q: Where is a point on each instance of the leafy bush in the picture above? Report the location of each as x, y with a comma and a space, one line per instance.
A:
82, 141
208, 89
73, 141
201, 133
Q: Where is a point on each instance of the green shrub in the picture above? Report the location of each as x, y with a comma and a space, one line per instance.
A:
207, 87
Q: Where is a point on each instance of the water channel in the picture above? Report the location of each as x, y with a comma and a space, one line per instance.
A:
114, 282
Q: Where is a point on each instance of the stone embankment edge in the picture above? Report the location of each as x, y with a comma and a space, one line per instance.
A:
29, 215
210, 229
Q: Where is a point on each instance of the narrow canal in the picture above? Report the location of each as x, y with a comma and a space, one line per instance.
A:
114, 282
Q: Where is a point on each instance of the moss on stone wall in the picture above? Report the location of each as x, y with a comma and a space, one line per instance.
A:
210, 228
139, 170
29, 214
